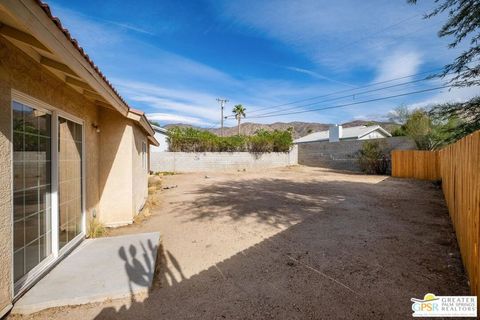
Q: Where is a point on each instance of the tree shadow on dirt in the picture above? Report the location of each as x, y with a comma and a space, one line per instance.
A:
283, 202
276, 202
357, 250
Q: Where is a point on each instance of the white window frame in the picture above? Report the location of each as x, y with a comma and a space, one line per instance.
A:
33, 275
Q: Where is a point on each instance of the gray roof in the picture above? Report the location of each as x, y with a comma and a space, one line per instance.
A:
159, 129
347, 133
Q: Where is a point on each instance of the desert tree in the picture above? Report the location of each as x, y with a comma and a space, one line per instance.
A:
463, 24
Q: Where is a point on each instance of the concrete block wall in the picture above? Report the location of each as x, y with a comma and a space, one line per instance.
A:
219, 161
342, 155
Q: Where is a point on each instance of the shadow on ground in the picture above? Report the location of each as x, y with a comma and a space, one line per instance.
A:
353, 250
276, 202
139, 270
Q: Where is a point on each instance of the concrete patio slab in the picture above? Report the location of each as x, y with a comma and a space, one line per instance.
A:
97, 270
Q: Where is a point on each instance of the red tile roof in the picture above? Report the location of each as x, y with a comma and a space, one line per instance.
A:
45, 7
74, 41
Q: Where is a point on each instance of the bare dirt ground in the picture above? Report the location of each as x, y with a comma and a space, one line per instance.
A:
292, 243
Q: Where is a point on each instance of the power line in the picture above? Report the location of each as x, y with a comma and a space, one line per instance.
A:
346, 96
350, 90
353, 95
346, 90
354, 103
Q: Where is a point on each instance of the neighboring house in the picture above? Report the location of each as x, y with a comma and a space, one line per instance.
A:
70, 147
161, 135
337, 133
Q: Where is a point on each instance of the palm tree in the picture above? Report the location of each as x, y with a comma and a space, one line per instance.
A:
239, 112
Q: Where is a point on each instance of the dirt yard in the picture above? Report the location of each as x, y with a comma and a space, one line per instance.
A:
292, 243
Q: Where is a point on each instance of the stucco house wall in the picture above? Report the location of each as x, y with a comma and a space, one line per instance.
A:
163, 142
115, 180
122, 192
5, 186
111, 191
140, 169
20, 72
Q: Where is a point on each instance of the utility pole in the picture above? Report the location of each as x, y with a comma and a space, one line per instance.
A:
222, 104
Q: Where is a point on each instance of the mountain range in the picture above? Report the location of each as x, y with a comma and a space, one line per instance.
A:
300, 129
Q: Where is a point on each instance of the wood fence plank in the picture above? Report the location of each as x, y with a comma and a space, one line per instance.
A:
458, 166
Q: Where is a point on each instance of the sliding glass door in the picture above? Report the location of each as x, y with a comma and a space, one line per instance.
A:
47, 188
32, 185
69, 180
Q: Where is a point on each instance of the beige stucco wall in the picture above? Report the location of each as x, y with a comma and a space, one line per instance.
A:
123, 180
29, 77
115, 178
108, 155
140, 170
5, 187
20, 72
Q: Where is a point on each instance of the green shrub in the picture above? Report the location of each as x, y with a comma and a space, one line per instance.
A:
372, 158
194, 140
282, 140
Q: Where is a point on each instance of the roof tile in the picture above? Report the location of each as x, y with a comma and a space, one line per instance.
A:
58, 23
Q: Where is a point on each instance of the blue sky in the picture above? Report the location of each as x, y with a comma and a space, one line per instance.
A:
172, 59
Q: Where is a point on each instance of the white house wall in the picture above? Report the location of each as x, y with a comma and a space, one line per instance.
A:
163, 143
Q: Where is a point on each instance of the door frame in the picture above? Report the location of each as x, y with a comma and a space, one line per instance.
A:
34, 275
75, 241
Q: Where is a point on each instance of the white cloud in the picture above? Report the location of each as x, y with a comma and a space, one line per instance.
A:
447, 96
253, 94
175, 118
110, 45
342, 35
401, 63
181, 101
373, 36
317, 75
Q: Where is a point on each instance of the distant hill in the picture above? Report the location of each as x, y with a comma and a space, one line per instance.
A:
300, 129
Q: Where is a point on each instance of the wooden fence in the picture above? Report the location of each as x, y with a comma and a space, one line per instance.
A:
458, 166
416, 164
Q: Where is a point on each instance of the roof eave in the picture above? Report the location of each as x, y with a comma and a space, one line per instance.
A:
140, 117
375, 128
36, 17
308, 141
153, 141
159, 129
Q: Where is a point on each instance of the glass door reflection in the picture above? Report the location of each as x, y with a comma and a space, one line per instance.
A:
70, 137
32, 181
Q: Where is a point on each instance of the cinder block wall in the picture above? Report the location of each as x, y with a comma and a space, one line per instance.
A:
219, 161
342, 155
